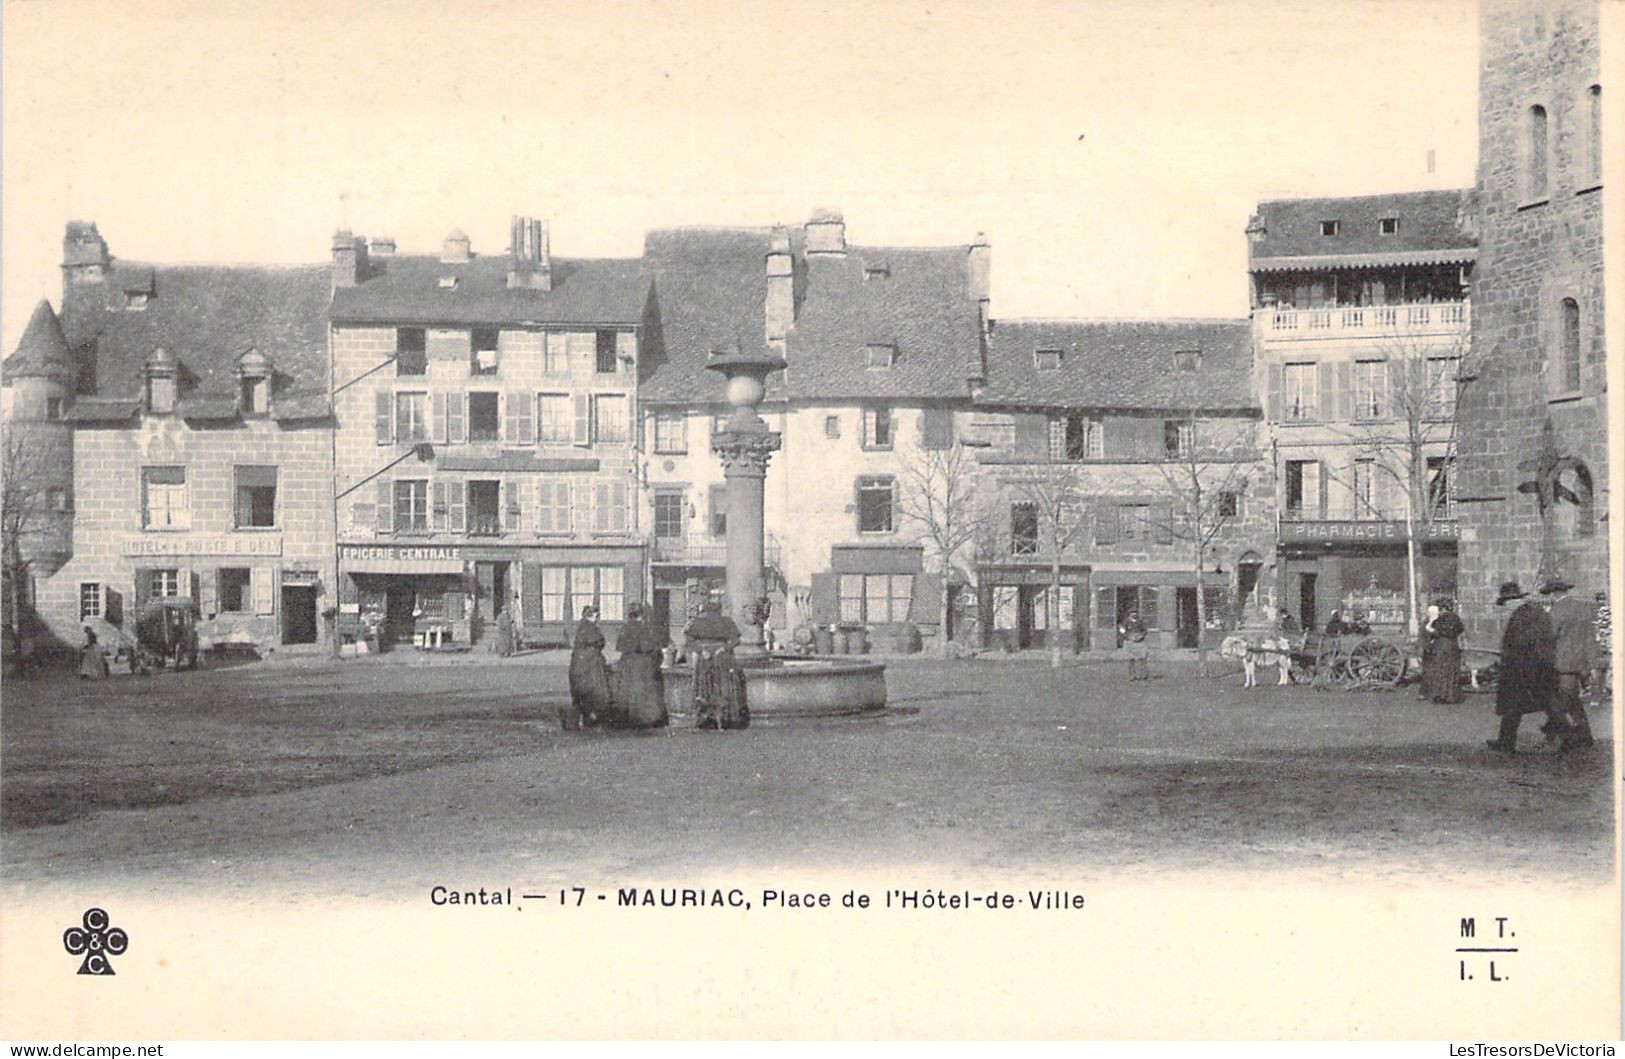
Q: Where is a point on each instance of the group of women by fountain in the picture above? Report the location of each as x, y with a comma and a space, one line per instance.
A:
633, 695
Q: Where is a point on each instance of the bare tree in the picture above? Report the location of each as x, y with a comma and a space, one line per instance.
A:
1209, 462
1058, 496
24, 510
937, 493
1403, 428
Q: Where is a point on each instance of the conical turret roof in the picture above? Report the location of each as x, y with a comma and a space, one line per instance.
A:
43, 350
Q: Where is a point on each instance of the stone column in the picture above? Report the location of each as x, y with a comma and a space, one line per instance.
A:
744, 449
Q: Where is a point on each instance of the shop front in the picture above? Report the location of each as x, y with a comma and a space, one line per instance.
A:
1166, 602
1013, 603
394, 596
1357, 569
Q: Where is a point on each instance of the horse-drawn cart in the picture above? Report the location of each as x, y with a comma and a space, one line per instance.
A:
1349, 662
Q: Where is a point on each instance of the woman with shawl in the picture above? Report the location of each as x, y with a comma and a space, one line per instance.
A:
719, 685
641, 698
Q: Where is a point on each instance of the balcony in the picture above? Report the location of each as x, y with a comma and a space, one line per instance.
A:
1362, 321
709, 551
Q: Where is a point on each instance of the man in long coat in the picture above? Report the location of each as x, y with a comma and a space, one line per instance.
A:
1576, 644
1528, 671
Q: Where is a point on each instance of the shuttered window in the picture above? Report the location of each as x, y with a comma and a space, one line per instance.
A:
553, 506
554, 418
610, 419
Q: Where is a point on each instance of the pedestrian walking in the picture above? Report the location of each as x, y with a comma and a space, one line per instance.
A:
1138, 652
1441, 658
719, 684
1575, 638
589, 675
502, 643
1528, 670
92, 663
638, 680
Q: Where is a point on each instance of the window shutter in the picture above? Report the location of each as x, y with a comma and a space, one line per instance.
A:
454, 600
1148, 607
925, 605
1163, 515
1340, 400
1272, 408
1032, 434
456, 421
385, 419
183, 582
600, 507
1105, 523
1314, 490
208, 592
530, 596
821, 600
1325, 388
440, 417
513, 504
143, 588
386, 506
583, 424
520, 425
617, 491
937, 428
1106, 607
456, 511
581, 506
263, 579
439, 513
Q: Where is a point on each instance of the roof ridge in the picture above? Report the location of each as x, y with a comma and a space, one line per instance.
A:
1240, 320
275, 266
1370, 195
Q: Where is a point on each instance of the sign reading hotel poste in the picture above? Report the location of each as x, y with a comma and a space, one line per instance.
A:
384, 551
204, 544
1353, 532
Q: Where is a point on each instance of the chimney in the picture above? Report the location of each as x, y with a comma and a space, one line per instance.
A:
780, 308
826, 233
84, 254
454, 250
530, 264
979, 268
349, 258
383, 246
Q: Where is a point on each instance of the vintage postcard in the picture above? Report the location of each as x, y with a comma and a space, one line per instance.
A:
855, 520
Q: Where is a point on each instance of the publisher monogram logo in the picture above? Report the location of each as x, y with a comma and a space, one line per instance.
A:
97, 941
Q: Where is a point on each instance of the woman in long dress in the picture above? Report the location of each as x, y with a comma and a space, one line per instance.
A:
1441, 664
92, 663
719, 685
502, 644
641, 699
590, 697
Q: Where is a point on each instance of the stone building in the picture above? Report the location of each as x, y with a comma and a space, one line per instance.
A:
880, 342
1119, 452
1360, 320
487, 455
1534, 458
201, 447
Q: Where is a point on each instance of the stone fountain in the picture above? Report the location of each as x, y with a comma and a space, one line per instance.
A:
777, 687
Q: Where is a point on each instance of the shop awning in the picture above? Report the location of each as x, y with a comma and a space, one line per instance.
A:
403, 566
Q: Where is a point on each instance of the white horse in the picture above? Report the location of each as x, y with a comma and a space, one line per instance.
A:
1273, 650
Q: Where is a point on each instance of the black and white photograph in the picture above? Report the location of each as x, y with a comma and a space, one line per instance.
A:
902, 520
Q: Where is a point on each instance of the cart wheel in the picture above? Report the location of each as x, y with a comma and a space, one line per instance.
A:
1377, 662
1300, 673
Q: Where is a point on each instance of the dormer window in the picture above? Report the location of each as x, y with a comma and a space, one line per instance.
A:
1047, 359
881, 355
1187, 359
1328, 227
448, 282
254, 384
1388, 226
161, 371
876, 270
136, 300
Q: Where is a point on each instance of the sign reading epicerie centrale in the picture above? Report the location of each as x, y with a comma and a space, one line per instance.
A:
203, 544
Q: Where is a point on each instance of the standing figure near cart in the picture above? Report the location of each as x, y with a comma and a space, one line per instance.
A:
640, 696
589, 675
719, 684
1441, 658
1528, 670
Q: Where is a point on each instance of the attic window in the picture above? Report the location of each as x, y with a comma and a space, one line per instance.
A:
1388, 226
882, 356
255, 395
1328, 227
1047, 359
877, 270
136, 299
1188, 359
448, 282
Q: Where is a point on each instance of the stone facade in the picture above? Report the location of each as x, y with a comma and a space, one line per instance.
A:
1537, 308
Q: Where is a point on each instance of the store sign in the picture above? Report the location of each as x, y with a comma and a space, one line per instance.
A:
1353, 532
389, 551
167, 544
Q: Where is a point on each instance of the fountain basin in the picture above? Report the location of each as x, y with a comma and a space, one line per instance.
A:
794, 687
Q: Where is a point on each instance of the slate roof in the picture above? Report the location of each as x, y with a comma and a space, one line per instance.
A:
405, 289
206, 317
43, 351
1120, 364
1433, 225
710, 287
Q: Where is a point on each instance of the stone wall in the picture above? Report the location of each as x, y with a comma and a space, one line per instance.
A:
1537, 249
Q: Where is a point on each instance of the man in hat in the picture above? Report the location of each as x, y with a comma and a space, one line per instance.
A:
1528, 669
1576, 642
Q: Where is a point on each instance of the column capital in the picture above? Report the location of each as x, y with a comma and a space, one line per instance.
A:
745, 452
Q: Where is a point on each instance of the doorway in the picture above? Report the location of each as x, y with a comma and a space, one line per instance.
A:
399, 601
298, 614
1187, 625
662, 613
1306, 601
492, 582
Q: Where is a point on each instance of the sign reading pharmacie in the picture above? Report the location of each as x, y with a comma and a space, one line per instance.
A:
165, 544
1350, 531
